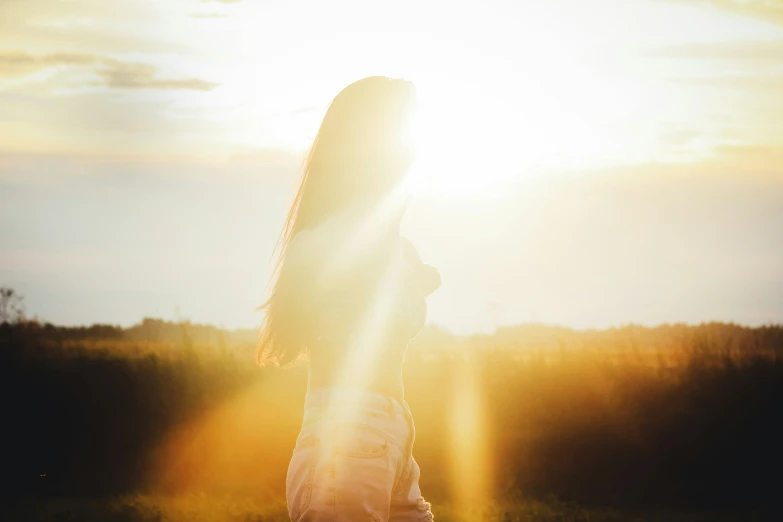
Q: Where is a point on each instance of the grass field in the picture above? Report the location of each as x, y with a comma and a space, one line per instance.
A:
203, 508
173, 422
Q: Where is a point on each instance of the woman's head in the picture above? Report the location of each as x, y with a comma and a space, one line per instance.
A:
360, 154
361, 151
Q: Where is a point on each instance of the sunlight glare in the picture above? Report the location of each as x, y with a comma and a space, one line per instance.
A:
474, 138
460, 142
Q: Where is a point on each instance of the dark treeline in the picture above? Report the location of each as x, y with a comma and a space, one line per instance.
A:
671, 416
148, 331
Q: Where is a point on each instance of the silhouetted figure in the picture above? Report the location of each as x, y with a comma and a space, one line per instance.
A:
349, 295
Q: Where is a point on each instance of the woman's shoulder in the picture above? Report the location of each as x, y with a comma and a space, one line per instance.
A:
312, 243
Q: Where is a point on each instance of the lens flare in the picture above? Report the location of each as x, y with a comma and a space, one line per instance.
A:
470, 458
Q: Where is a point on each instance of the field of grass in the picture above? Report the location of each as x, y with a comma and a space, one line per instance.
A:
173, 422
204, 508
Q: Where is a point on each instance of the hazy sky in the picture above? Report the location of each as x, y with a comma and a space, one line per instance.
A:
583, 163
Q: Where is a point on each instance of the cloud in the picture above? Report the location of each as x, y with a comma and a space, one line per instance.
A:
214, 15
110, 72
96, 121
767, 10
750, 52
752, 164
751, 66
267, 158
87, 25
681, 138
18, 63
208, 15
131, 75
772, 84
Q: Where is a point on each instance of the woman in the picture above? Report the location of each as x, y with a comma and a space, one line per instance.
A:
349, 295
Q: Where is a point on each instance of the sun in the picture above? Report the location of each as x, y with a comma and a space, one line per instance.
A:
460, 150
476, 137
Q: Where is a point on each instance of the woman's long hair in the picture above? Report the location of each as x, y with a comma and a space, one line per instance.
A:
358, 156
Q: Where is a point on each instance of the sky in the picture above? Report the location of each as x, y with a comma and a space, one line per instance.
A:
588, 164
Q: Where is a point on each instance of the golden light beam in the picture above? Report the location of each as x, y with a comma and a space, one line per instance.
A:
470, 457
